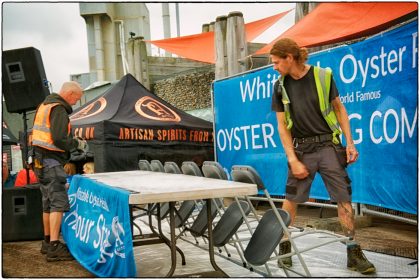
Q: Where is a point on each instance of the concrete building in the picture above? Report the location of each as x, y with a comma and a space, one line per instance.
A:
109, 25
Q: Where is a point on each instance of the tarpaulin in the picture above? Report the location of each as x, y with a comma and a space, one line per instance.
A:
378, 84
200, 47
97, 228
336, 22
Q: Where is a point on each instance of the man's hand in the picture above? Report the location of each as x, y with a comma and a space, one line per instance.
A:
298, 169
352, 153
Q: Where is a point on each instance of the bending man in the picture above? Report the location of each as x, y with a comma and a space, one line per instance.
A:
310, 119
53, 141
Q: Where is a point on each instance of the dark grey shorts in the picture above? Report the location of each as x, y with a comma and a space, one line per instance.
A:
324, 161
54, 194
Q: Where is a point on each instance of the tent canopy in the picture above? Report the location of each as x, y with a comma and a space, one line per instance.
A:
200, 47
8, 137
336, 22
128, 123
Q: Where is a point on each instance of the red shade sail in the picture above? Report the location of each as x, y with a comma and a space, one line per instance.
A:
256, 28
201, 46
335, 22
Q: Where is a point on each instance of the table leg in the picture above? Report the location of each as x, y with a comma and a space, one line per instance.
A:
131, 220
166, 240
210, 234
173, 240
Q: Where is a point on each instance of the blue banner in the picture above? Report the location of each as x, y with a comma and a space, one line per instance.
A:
97, 228
378, 84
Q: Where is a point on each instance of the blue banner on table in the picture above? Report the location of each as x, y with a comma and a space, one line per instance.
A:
377, 80
97, 228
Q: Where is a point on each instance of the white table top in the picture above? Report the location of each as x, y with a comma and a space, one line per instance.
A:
150, 187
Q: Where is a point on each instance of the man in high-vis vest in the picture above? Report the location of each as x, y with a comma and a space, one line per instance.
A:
52, 141
310, 120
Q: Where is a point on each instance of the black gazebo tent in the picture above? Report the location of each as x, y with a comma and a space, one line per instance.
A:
128, 123
7, 136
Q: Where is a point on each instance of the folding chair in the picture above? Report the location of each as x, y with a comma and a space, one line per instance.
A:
145, 165
199, 226
228, 226
156, 166
191, 168
184, 212
229, 223
188, 206
171, 167
213, 169
266, 238
152, 209
247, 174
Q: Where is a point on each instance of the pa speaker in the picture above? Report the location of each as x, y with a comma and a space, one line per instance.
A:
23, 79
22, 214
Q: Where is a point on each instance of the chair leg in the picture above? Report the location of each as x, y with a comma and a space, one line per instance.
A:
240, 253
253, 210
244, 216
288, 234
268, 270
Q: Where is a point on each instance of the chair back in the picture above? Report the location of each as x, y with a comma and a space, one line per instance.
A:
145, 165
184, 212
229, 223
247, 174
191, 168
266, 237
199, 227
157, 166
164, 209
212, 169
171, 167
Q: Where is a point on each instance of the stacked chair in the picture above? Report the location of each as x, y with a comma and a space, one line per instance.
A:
156, 166
247, 174
145, 165
187, 207
214, 170
264, 238
200, 224
153, 209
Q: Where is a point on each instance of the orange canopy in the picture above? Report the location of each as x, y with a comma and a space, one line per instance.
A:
335, 22
201, 46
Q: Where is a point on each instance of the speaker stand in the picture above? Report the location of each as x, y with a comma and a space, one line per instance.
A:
25, 146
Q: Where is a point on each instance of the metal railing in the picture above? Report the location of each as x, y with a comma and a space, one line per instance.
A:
360, 209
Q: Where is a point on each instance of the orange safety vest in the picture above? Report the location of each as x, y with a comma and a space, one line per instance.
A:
41, 132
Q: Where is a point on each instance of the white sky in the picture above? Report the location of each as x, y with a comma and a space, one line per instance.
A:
59, 32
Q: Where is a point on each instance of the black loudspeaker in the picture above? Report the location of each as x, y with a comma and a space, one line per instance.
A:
23, 79
22, 214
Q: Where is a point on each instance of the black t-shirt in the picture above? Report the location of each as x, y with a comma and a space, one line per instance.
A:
304, 105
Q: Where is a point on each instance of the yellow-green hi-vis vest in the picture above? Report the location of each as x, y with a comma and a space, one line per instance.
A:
323, 85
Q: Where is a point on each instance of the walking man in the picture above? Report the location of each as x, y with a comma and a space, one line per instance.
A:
310, 120
52, 141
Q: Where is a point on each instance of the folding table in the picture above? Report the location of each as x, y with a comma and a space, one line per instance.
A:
154, 187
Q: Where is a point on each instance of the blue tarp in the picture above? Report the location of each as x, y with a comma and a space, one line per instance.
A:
97, 228
378, 83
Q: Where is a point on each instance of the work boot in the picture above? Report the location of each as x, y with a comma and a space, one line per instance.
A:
285, 248
356, 260
44, 247
58, 251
